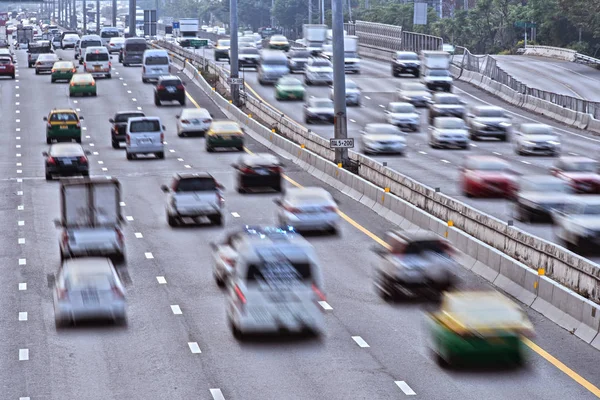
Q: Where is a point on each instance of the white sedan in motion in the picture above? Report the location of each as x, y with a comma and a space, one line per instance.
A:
382, 138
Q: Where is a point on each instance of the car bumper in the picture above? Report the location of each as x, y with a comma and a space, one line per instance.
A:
405, 70
237, 142
146, 149
439, 85
166, 96
62, 76
259, 181
267, 321
315, 222
64, 134
65, 171
67, 311
82, 90
199, 211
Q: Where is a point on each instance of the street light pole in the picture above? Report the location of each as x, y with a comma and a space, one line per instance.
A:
132, 18
339, 78
233, 52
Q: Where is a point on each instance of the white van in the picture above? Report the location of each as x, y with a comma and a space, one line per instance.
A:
107, 33
96, 61
144, 135
154, 64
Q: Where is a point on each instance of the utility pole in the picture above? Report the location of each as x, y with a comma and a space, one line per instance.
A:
74, 18
132, 18
98, 16
466, 5
310, 11
323, 12
114, 12
339, 78
233, 52
84, 17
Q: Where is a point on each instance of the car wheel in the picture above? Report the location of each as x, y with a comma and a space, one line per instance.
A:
522, 215
61, 323
241, 190
220, 282
240, 148
129, 155
109, 76
48, 141
160, 155
217, 220
48, 176
37, 72
115, 144
237, 333
144, 80
182, 101
172, 221
52, 80
78, 140
209, 149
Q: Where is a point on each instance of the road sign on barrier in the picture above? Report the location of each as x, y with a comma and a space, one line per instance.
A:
235, 81
198, 43
176, 25
341, 143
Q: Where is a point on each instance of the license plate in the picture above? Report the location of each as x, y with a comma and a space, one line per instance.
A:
68, 162
97, 67
262, 171
145, 141
64, 127
196, 122
171, 89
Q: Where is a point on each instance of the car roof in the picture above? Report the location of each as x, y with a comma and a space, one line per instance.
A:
169, 77
141, 113
83, 77
445, 95
63, 111
64, 63
415, 235
259, 159
486, 107
192, 175
87, 266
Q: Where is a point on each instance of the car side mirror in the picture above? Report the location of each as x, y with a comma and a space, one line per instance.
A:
234, 166
45, 118
58, 223
277, 201
164, 188
81, 118
164, 127
45, 153
88, 153
111, 120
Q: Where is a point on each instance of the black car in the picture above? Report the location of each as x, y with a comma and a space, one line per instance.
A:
297, 59
406, 62
169, 88
117, 131
248, 57
446, 105
66, 159
261, 170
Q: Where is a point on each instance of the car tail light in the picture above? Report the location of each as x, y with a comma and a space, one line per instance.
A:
38, 64
318, 292
51, 160
111, 44
162, 138
220, 199
330, 208
62, 294
117, 292
65, 238
293, 210
53, 70
227, 260
180, 87
84, 65
239, 294
160, 87
185, 121
78, 124
247, 170
49, 125
207, 121
128, 139
74, 70
120, 237
144, 69
83, 160
72, 83
109, 64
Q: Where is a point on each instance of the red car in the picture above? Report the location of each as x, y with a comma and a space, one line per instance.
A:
7, 68
487, 176
581, 173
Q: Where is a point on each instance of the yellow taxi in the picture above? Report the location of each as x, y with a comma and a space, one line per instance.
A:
63, 125
83, 84
224, 134
63, 71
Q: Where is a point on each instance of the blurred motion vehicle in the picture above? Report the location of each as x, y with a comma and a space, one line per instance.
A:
37, 48
45, 62
578, 224
63, 125
378, 138
66, 159
6, 53
275, 286
273, 65
406, 62
194, 196
289, 88
448, 48
4, 44
169, 88
532, 138
7, 68
415, 263
87, 41
246, 41
108, 33
68, 40
448, 132
144, 135
414, 93
318, 70
248, 57
581, 173
403, 115
133, 51
193, 121
224, 134
82, 84
115, 45
62, 71
487, 176
445, 105
96, 61
56, 42
539, 195
260, 170
91, 218
279, 42
88, 288
435, 70
478, 327
318, 109
297, 59
222, 49
308, 209
155, 63
118, 131
488, 122
353, 95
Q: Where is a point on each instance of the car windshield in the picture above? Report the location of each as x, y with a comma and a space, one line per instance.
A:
438, 72
488, 165
82, 78
62, 65
382, 129
157, 60
87, 281
71, 37
125, 117
109, 34
546, 187
422, 246
322, 104
135, 46
447, 100
537, 130
90, 43
443, 123
278, 38
196, 185
300, 54
402, 108
96, 56
407, 57
63, 117
482, 313
290, 82
145, 126
223, 43
490, 113
581, 166
170, 82
39, 49
227, 127
321, 63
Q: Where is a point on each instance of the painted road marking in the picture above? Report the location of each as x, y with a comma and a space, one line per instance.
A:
23, 316
194, 348
101, 162
21, 223
496, 153
360, 341
20, 208
18, 154
216, 394
23, 354
525, 162
20, 192
129, 218
325, 305
176, 309
122, 204
446, 161
22, 261
161, 280
149, 256
180, 159
405, 388
21, 240
187, 166
171, 151
22, 286
235, 215
139, 235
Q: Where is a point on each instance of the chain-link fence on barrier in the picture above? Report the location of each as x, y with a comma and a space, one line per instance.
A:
391, 37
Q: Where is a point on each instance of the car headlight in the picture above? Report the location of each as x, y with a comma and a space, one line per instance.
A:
529, 143
554, 142
505, 124
174, 202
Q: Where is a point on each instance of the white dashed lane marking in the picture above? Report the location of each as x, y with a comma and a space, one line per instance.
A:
129, 218
446, 161
21, 223
23, 354
194, 348
21, 240
22, 286
149, 256
216, 394
20, 208
23, 316
139, 235
405, 388
360, 341
122, 204
22, 261
496, 153
325, 305
187, 166
235, 215
176, 309
525, 162
161, 280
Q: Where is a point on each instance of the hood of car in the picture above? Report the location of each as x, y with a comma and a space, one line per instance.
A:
581, 176
401, 116
591, 222
320, 110
540, 138
493, 121
384, 137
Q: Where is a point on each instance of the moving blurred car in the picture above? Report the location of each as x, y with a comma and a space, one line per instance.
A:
248, 57
478, 327
63, 125
406, 62
88, 288
537, 139
194, 196
488, 122
318, 70
37, 48
63, 71
275, 286
69, 40
377, 138
83, 84
448, 48
415, 263
448, 132
539, 195
193, 121
308, 208
353, 95
45, 63
260, 170
224, 134
115, 44
578, 224
414, 93
297, 59
222, 49
66, 159
318, 109
169, 88
403, 115
4, 44
581, 173
118, 131
289, 88
279, 42
446, 105
6, 53
144, 135
487, 176
7, 68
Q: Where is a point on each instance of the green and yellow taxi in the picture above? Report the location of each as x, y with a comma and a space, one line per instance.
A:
83, 84
224, 134
222, 49
288, 88
482, 327
63, 71
279, 42
63, 125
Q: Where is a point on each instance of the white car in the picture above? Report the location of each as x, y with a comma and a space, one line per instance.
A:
537, 139
221, 31
448, 132
380, 138
353, 95
578, 225
144, 135
318, 70
310, 208
115, 44
193, 120
403, 115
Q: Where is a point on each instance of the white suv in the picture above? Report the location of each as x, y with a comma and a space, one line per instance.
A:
144, 135
96, 61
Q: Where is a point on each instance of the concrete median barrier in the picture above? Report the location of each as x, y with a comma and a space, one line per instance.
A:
594, 125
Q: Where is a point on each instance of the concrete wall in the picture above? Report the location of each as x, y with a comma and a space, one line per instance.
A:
551, 52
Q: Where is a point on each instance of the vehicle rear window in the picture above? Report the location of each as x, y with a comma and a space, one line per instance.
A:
321, 63
96, 57
63, 117
434, 246
196, 185
109, 34
581, 166
125, 117
87, 281
323, 104
4, 61
490, 113
135, 46
383, 129
66, 150
170, 82
249, 50
145, 126
90, 43
39, 50
279, 272
157, 60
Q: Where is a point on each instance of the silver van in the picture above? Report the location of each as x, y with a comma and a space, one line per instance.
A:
133, 51
87, 41
144, 135
273, 65
107, 33
155, 64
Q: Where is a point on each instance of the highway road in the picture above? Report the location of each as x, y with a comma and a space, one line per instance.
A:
433, 167
152, 358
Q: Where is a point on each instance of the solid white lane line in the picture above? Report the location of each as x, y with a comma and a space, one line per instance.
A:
405, 388
122, 204
23, 316
139, 235
325, 305
360, 341
525, 162
446, 161
22, 261
176, 309
22, 286
216, 394
21, 240
129, 218
23, 354
161, 280
21, 223
235, 215
187, 166
194, 348
149, 256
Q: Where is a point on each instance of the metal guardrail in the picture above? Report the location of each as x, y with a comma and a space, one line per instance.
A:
586, 59
392, 37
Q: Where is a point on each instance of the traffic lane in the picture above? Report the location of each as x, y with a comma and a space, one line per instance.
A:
563, 77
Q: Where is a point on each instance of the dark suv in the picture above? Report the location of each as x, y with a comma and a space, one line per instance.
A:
261, 170
117, 132
169, 88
